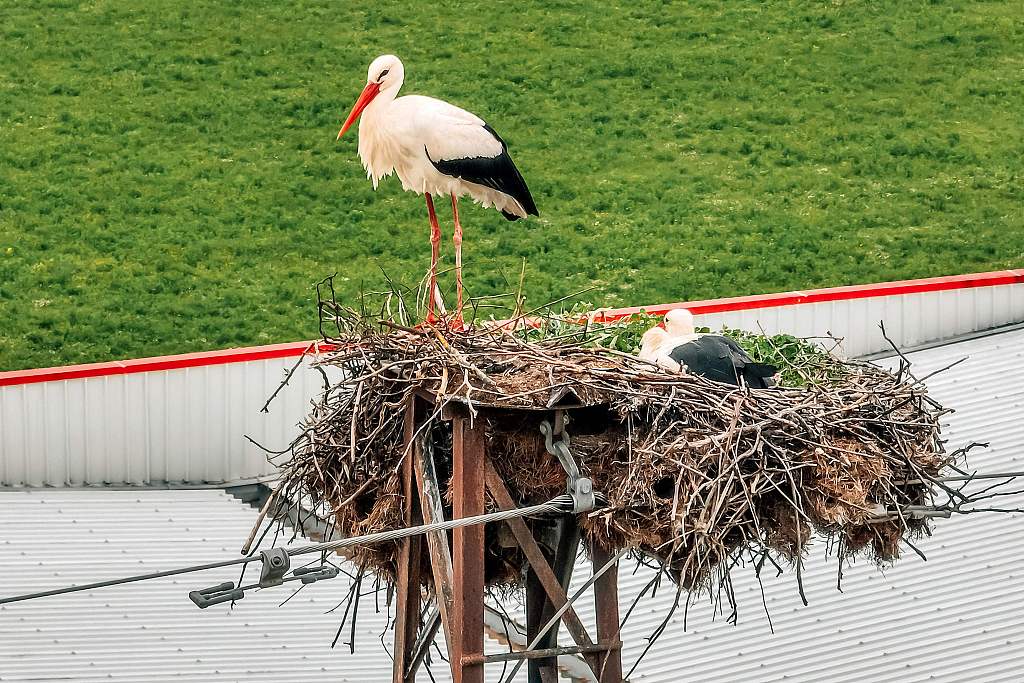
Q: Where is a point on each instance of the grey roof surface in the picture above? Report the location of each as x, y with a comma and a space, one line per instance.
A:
150, 631
956, 617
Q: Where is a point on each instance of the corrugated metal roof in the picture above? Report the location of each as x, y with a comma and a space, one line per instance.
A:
150, 631
953, 618
956, 617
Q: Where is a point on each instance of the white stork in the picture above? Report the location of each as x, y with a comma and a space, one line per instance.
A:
435, 148
677, 347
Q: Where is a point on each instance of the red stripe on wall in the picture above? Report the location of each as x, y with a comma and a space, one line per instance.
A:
184, 360
746, 303
738, 303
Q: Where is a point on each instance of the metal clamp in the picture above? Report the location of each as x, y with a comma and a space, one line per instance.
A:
276, 563
214, 595
579, 487
310, 575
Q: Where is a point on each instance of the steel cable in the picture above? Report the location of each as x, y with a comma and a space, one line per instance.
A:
560, 504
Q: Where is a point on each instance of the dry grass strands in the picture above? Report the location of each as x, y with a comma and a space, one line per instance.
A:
696, 474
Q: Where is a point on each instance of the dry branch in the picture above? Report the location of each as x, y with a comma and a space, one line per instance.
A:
697, 474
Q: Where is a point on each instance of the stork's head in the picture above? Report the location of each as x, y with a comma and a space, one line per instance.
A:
679, 323
385, 74
651, 342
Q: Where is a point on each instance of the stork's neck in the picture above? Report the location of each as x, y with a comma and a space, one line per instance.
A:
380, 103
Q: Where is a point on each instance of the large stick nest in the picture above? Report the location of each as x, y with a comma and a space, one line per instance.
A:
697, 475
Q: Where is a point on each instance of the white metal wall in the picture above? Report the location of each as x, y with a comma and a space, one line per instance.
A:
910, 319
186, 426
151, 428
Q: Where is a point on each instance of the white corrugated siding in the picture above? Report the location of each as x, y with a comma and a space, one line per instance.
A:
910, 319
187, 425
170, 426
150, 631
954, 618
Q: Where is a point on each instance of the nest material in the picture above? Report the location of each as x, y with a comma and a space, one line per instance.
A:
697, 474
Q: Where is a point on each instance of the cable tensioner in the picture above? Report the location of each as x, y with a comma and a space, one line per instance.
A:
579, 487
276, 563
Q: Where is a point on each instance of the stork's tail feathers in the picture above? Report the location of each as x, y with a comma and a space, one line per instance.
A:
759, 375
761, 369
530, 210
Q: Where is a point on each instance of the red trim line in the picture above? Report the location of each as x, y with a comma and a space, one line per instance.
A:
745, 303
185, 360
738, 303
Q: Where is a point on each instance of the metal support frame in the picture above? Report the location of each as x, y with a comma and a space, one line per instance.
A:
457, 568
608, 665
432, 506
467, 621
408, 569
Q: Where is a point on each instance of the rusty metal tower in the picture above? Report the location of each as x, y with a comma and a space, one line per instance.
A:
457, 565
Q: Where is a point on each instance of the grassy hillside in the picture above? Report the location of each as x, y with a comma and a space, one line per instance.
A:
169, 178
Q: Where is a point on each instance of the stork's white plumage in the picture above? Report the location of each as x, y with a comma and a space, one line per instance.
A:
660, 341
655, 347
435, 148
680, 325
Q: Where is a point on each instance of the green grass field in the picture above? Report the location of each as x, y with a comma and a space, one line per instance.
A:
170, 181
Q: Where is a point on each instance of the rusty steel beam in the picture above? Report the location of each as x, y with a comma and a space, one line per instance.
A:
535, 556
467, 618
606, 602
408, 569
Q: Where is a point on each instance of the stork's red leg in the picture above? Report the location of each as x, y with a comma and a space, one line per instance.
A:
457, 239
435, 251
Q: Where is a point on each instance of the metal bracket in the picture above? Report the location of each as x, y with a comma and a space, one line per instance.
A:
579, 487
276, 563
583, 497
214, 595
272, 575
313, 574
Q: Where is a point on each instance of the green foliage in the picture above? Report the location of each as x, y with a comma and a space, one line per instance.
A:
575, 326
170, 182
799, 360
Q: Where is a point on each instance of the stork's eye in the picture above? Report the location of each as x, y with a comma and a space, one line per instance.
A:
383, 74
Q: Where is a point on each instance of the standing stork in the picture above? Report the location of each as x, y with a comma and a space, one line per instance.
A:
435, 148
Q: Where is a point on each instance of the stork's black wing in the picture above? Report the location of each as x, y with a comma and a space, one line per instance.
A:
756, 375
497, 173
707, 357
721, 359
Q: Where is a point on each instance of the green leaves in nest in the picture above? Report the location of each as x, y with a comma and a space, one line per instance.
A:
799, 360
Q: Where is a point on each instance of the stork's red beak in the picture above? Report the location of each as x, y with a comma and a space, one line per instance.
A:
365, 97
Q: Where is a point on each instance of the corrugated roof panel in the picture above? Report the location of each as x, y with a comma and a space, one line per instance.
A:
150, 630
955, 617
